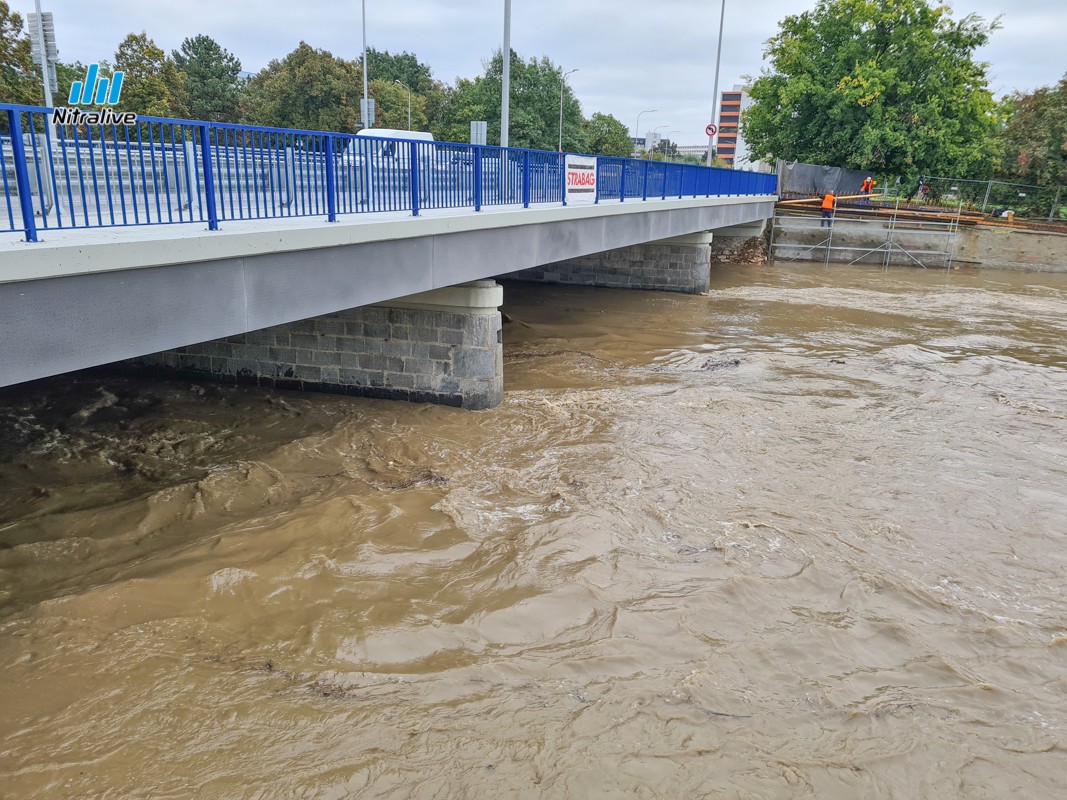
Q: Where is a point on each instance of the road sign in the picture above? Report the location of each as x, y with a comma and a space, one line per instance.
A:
711, 130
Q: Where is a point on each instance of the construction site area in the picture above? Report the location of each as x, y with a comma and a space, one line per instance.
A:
942, 229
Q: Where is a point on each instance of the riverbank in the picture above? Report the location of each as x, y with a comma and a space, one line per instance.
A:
909, 243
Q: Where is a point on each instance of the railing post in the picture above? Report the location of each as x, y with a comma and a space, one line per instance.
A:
596, 184
22, 175
477, 178
525, 178
331, 182
414, 179
622, 183
209, 180
563, 178
644, 183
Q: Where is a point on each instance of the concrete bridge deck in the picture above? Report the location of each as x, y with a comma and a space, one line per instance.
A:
89, 297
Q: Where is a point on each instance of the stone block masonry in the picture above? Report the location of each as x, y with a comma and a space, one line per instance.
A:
682, 264
435, 349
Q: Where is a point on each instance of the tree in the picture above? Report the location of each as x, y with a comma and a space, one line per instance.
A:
403, 67
310, 89
607, 136
212, 79
429, 97
152, 84
391, 106
17, 83
890, 87
534, 106
1035, 137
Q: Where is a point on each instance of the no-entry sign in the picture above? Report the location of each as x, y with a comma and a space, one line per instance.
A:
711, 130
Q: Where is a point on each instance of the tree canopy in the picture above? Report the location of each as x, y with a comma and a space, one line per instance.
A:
212, 78
309, 88
891, 87
152, 83
1035, 136
607, 136
534, 106
17, 84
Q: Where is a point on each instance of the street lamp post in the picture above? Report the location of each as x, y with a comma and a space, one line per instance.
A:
637, 127
364, 56
409, 100
505, 78
666, 139
715, 86
562, 84
648, 153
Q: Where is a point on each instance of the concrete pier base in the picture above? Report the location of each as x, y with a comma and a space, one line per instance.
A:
681, 264
442, 346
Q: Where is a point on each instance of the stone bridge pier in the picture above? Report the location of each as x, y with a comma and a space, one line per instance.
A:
679, 264
443, 346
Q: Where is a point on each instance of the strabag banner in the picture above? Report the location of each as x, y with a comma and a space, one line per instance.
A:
581, 179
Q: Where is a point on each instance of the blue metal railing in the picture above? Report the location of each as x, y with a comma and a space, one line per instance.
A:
171, 171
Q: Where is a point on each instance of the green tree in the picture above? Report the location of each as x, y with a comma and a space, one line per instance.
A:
391, 106
883, 86
152, 84
212, 79
429, 99
404, 67
17, 83
309, 88
534, 106
1035, 137
607, 136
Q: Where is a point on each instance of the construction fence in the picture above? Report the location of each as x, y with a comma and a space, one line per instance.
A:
797, 179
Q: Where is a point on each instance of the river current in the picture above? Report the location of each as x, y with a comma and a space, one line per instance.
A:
803, 537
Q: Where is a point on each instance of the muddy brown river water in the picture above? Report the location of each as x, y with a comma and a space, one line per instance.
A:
805, 537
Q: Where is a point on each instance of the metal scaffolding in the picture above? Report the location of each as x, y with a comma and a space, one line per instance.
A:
940, 232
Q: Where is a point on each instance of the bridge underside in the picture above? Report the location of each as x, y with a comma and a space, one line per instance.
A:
76, 306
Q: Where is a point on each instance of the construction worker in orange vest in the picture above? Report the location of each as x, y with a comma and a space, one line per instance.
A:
868, 188
828, 202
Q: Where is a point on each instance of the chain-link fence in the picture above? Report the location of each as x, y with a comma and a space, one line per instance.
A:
995, 197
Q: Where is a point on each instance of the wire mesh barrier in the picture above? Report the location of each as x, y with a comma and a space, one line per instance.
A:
165, 171
996, 197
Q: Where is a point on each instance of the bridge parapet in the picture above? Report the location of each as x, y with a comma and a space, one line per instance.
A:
162, 171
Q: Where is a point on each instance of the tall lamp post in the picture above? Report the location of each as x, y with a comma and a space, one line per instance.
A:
715, 86
505, 78
648, 153
637, 127
409, 100
562, 84
365, 125
666, 139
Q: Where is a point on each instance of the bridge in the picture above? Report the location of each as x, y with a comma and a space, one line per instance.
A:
321, 261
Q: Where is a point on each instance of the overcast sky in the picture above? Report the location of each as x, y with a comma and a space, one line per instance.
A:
630, 55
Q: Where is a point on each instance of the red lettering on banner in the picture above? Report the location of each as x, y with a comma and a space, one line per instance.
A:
581, 179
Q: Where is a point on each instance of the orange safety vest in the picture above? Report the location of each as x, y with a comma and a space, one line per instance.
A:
828, 201
868, 186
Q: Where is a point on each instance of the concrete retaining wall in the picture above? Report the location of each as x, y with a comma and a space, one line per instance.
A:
1013, 248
